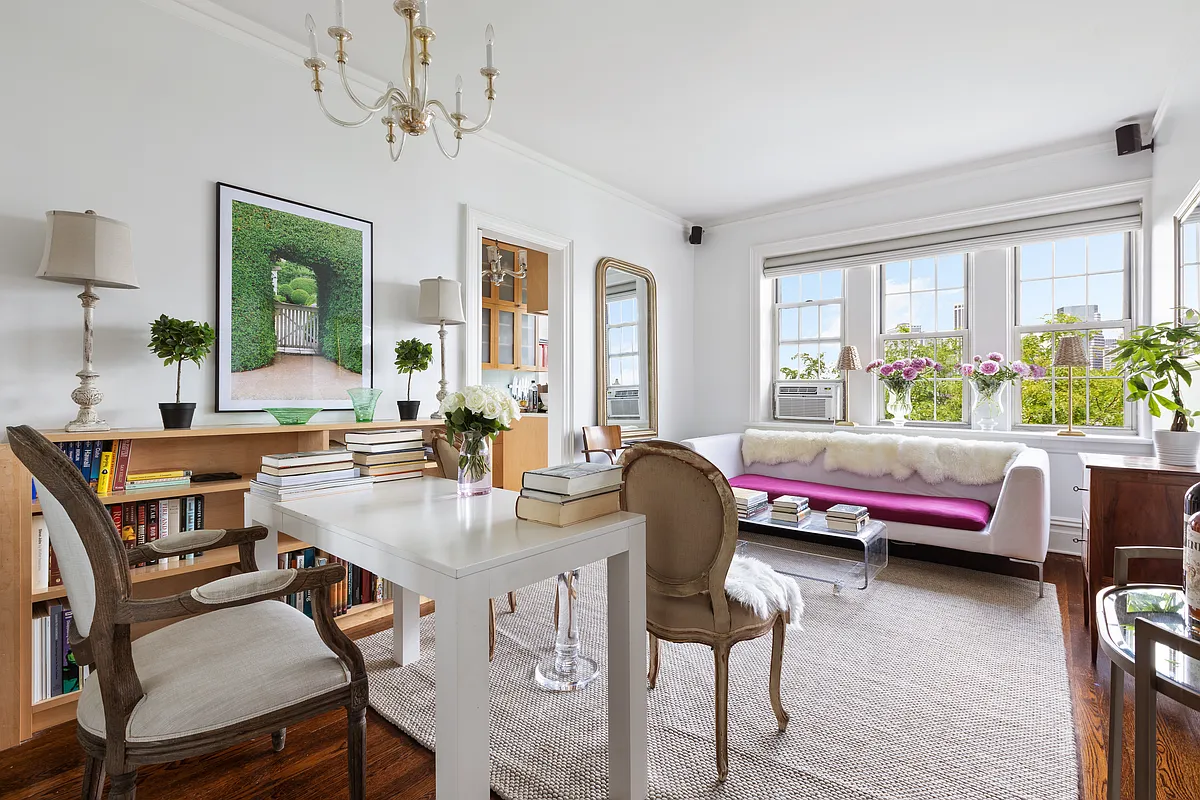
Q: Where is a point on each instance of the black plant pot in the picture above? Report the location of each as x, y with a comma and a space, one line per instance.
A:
408, 408
177, 415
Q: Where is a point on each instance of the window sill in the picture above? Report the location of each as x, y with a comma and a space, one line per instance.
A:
1046, 440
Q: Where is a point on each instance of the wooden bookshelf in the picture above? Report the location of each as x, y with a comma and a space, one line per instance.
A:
228, 448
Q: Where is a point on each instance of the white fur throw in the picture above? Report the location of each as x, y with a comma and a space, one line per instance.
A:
763, 590
971, 463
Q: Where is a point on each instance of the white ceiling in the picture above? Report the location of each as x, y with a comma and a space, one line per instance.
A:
712, 110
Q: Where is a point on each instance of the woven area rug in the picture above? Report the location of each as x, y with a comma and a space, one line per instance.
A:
936, 683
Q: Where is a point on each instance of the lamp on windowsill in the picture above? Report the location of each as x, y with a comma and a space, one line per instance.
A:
1070, 354
847, 362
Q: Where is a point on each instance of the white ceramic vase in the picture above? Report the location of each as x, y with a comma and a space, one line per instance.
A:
1177, 448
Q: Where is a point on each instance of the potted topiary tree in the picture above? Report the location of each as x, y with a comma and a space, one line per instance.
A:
176, 341
412, 355
1155, 359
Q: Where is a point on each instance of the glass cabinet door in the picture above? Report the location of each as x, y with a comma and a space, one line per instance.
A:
486, 343
506, 341
528, 340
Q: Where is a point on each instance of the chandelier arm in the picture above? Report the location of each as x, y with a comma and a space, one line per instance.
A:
396, 151
437, 104
374, 109
438, 138
335, 120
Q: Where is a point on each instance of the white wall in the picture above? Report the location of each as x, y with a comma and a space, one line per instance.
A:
132, 111
725, 285
1176, 176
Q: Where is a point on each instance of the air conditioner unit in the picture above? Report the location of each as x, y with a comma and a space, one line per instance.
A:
808, 400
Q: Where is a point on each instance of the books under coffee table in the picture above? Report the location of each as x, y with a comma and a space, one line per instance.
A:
810, 548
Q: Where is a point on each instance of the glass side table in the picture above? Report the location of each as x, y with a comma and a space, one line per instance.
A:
809, 549
1117, 610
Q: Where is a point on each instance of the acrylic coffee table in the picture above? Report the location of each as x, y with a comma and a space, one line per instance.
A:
809, 549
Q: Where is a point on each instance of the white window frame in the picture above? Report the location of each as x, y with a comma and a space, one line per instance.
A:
777, 306
1187, 227
1124, 324
883, 337
620, 297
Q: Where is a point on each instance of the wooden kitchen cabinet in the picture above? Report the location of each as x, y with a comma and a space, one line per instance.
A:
523, 448
537, 278
1130, 501
510, 328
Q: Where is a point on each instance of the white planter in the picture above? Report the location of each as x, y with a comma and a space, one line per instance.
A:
1177, 448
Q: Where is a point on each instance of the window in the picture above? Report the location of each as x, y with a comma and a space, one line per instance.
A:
924, 313
1074, 287
622, 339
1189, 262
808, 325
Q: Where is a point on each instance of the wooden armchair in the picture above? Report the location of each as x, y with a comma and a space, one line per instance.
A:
604, 439
691, 535
233, 669
447, 458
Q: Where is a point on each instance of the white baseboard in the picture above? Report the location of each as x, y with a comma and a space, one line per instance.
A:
1063, 530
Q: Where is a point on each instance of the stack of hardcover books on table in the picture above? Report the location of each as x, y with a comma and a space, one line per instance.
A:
566, 495
383, 456
291, 476
847, 518
749, 501
789, 508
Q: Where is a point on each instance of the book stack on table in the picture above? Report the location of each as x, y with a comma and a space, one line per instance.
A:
573, 493
290, 476
789, 508
749, 501
383, 456
847, 518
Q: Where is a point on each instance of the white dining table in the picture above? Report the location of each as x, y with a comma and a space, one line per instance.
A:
462, 551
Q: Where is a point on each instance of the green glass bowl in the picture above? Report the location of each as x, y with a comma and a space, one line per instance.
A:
292, 416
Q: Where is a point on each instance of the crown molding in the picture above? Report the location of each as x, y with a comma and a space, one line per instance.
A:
237, 28
849, 196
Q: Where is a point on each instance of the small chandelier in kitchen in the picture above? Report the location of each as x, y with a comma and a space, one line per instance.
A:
496, 271
408, 106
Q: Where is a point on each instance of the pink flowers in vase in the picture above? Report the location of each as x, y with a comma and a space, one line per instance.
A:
899, 375
989, 373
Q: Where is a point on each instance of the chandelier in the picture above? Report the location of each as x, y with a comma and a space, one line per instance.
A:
408, 106
496, 271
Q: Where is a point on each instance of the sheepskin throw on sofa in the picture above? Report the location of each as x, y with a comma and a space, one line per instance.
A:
873, 455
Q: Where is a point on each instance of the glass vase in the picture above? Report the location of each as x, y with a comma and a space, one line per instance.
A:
899, 404
364, 399
474, 465
987, 406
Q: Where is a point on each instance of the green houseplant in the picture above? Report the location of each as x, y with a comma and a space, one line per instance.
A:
1156, 361
176, 341
412, 355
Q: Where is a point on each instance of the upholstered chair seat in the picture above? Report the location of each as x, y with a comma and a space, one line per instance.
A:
184, 695
695, 612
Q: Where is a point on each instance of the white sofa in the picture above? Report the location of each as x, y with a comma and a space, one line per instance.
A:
1017, 527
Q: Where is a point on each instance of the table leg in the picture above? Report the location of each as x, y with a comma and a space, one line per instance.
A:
1116, 718
406, 626
627, 771
463, 727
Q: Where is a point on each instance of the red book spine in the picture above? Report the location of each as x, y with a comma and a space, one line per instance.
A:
152, 521
55, 575
122, 468
141, 524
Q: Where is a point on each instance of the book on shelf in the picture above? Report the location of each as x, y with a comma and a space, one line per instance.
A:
570, 512
303, 469
124, 447
108, 457
385, 447
414, 467
359, 587
306, 478
55, 669
159, 475
166, 483
398, 476
374, 459
571, 479
41, 555
384, 437
306, 459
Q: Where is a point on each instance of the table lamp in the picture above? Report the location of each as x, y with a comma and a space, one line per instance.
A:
441, 305
1070, 354
93, 251
847, 362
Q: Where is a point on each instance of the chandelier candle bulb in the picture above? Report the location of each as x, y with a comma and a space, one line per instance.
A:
312, 37
423, 13
458, 95
491, 40
339, 13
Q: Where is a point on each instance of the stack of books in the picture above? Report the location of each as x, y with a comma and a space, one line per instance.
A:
847, 518
291, 476
159, 479
55, 671
749, 501
562, 496
789, 508
392, 455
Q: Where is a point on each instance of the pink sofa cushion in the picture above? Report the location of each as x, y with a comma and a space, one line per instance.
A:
959, 513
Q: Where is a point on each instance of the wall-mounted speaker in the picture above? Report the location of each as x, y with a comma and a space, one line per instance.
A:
696, 235
1129, 140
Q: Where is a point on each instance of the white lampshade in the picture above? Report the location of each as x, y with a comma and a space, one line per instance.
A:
86, 247
441, 302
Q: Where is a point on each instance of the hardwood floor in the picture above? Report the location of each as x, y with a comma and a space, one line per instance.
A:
314, 763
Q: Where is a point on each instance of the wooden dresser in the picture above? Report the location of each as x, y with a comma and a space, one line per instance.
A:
1129, 500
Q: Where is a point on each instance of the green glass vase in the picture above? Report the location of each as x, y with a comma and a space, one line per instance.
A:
364, 400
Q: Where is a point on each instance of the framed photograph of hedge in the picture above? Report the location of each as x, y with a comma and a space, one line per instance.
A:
293, 301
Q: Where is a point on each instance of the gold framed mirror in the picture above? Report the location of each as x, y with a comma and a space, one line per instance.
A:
626, 348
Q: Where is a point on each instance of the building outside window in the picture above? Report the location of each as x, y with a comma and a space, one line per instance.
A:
1074, 287
924, 313
808, 325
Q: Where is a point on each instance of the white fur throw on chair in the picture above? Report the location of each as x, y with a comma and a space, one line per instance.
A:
971, 463
763, 590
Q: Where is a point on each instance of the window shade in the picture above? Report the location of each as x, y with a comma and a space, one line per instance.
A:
1107, 219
